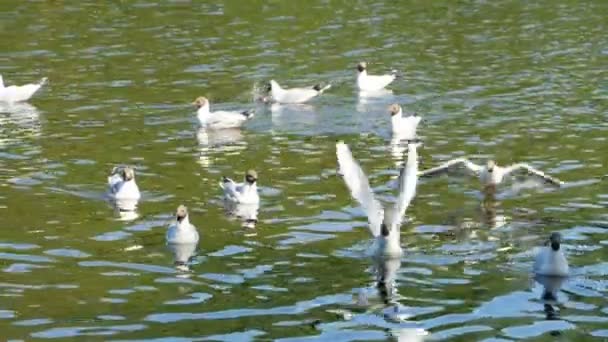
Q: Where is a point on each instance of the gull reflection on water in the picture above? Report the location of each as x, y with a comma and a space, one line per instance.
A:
213, 141
182, 255
247, 213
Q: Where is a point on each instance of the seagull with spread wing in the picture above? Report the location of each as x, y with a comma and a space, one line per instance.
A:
490, 174
384, 223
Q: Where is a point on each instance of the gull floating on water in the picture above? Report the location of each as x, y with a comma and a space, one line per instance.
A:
404, 127
367, 82
294, 95
19, 93
244, 193
384, 224
182, 231
490, 174
550, 260
121, 184
219, 119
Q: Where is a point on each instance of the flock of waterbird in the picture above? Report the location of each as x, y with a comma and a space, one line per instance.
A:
384, 221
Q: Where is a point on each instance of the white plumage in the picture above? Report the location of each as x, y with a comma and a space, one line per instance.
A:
404, 127
294, 95
19, 93
243, 193
384, 224
121, 184
219, 119
367, 82
550, 259
182, 231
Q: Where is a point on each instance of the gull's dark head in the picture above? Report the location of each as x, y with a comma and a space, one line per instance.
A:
182, 213
127, 174
361, 66
555, 239
490, 165
200, 101
251, 176
394, 109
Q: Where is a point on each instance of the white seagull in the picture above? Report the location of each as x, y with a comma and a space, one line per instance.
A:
550, 260
490, 174
294, 95
384, 224
19, 93
121, 184
182, 231
404, 127
220, 119
243, 193
367, 82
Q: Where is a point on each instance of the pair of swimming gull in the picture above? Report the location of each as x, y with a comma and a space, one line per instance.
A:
385, 222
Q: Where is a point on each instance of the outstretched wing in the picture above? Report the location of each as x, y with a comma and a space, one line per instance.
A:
357, 183
450, 165
532, 171
408, 179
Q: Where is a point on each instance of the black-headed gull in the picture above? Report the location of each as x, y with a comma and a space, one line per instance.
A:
181, 231
384, 224
121, 184
550, 259
219, 119
367, 82
404, 127
244, 193
293, 95
19, 93
490, 174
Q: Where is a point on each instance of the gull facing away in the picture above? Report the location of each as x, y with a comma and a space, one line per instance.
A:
367, 82
384, 224
182, 231
121, 184
220, 119
490, 174
244, 193
294, 95
19, 93
404, 127
550, 260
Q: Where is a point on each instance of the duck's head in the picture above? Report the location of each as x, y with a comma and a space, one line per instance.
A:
251, 176
127, 173
362, 66
182, 213
555, 239
200, 102
394, 109
490, 165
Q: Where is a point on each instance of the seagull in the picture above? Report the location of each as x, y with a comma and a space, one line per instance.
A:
244, 193
404, 127
294, 95
550, 260
121, 184
182, 231
19, 93
219, 119
490, 174
384, 224
367, 82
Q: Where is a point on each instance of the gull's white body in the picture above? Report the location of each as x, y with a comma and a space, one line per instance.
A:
551, 263
490, 178
367, 82
294, 95
120, 189
19, 93
404, 127
221, 119
243, 193
182, 232
356, 180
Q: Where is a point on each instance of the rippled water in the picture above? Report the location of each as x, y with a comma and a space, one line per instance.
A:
511, 80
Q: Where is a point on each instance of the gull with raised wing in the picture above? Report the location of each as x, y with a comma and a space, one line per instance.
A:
293, 95
404, 127
121, 184
244, 193
550, 259
490, 174
367, 82
182, 231
220, 119
384, 223
19, 93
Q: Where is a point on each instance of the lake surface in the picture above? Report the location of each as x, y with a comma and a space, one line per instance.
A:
515, 81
